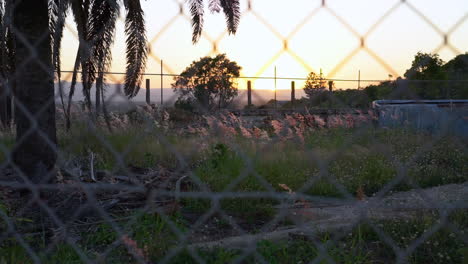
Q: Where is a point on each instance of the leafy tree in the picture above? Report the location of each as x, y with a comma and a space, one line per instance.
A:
426, 66
380, 91
350, 98
208, 83
457, 72
425, 69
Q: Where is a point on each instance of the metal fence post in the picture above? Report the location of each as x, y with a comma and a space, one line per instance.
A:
162, 83
249, 93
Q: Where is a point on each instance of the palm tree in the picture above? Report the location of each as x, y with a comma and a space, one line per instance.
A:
39, 24
96, 25
96, 21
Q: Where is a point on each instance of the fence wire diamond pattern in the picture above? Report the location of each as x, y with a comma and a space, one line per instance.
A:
156, 186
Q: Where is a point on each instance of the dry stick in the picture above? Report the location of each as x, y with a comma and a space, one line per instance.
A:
91, 166
177, 190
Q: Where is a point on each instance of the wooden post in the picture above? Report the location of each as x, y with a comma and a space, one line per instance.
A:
249, 94
293, 93
359, 79
148, 93
330, 86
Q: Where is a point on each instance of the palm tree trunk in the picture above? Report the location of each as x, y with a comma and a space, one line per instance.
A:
72, 89
35, 151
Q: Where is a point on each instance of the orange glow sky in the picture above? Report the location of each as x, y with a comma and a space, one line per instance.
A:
317, 38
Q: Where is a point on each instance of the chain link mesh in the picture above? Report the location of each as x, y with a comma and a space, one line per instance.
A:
155, 185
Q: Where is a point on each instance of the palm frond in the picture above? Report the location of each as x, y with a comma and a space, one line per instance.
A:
197, 12
214, 6
81, 9
102, 23
57, 15
136, 46
53, 16
79, 16
103, 20
231, 9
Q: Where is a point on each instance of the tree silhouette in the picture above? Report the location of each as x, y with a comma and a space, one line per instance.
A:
207, 83
426, 68
457, 72
315, 88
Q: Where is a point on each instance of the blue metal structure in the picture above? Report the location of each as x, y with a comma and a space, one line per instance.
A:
434, 116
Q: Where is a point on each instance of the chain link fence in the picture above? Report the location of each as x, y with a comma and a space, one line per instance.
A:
342, 182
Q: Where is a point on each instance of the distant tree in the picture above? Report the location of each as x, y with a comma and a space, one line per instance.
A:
314, 83
380, 91
315, 88
207, 83
425, 69
457, 71
426, 66
350, 98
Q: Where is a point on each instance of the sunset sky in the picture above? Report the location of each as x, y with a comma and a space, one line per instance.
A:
299, 36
